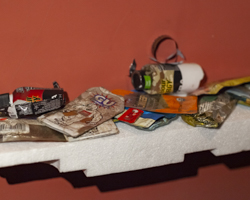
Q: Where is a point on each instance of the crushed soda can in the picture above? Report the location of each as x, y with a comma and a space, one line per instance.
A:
212, 111
90, 109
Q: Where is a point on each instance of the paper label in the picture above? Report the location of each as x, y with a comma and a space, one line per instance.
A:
142, 101
6, 127
167, 84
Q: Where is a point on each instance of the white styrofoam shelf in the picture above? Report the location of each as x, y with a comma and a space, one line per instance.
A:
133, 149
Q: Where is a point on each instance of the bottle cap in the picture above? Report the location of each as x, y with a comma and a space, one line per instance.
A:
137, 80
4, 100
141, 81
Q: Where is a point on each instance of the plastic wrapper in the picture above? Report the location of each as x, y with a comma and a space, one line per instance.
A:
175, 104
21, 130
214, 88
145, 101
149, 121
25, 102
105, 129
160, 122
242, 93
212, 111
90, 109
14, 130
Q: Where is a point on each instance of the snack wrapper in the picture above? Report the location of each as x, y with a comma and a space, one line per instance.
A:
105, 129
149, 121
242, 93
212, 111
15, 130
175, 104
214, 88
90, 109
145, 101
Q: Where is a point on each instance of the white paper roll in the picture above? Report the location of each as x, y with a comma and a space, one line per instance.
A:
192, 74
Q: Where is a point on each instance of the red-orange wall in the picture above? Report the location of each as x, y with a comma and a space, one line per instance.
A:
82, 44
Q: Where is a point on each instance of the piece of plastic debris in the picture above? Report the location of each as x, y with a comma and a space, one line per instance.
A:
15, 130
212, 111
242, 93
175, 104
214, 88
32, 101
90, 109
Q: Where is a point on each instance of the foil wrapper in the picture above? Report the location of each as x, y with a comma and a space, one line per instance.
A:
212, 111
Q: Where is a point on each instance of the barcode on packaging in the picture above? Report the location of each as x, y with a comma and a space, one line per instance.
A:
14, 128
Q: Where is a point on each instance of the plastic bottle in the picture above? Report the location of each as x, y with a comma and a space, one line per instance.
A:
167, 78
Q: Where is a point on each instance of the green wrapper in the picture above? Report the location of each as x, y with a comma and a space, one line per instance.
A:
212, 111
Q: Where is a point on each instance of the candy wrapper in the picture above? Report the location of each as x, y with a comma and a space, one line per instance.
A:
14, 130
17, 130
148, 121
89, 110
214, 88
175, 104
242, 93
104, 129
145, 101
160, 122
212, 111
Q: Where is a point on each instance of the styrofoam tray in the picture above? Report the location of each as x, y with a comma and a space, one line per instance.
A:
133, 149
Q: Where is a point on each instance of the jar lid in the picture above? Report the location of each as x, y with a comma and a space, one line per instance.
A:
140, 81
137, 80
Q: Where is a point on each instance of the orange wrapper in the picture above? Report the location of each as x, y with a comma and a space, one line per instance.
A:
176, 104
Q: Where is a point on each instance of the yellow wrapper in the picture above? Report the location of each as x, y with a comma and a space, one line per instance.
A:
214, 88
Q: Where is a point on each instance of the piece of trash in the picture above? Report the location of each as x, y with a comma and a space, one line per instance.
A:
145, 101
212, 111
175, 104
131, 115
214, 88
90, 109
166, 77
242, 93
150, 120
16, 130
160, 122
32, 101
105, 129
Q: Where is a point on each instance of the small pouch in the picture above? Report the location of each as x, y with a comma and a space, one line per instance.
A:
87, 111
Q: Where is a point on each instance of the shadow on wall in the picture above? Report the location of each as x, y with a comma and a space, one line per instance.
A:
188, 168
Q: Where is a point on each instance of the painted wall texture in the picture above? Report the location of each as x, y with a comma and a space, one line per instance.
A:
82, 44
